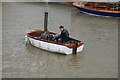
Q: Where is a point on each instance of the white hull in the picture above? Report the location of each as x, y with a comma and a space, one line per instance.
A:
52, 47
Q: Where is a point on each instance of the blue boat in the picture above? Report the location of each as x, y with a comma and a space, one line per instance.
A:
98, 9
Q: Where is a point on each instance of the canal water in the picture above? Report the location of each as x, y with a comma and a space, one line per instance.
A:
99, 59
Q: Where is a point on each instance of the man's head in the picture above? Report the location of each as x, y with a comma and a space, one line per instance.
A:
61, 28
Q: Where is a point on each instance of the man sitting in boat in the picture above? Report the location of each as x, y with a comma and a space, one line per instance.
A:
64, 36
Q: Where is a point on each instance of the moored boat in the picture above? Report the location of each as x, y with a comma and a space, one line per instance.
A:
68, 48
99, 8
42, 39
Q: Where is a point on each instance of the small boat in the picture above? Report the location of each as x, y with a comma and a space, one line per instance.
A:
99, 8
33, 38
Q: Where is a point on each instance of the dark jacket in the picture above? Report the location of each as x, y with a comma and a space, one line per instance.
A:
64, 35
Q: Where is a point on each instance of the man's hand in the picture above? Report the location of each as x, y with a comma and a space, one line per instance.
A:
53, 38
56, 34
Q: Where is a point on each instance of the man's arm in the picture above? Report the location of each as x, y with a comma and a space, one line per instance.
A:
65, 33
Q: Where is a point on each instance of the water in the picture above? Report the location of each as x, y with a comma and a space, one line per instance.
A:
1, 40
99, 59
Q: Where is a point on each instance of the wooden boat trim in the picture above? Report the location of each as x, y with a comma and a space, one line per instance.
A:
96, 9
67, 45
100, 4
